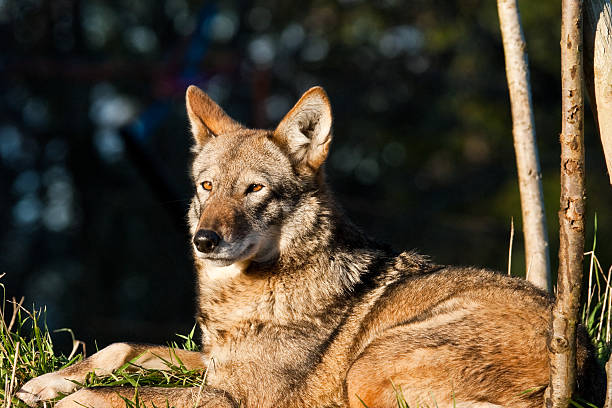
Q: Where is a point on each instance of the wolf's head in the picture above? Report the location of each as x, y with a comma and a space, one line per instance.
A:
252, 186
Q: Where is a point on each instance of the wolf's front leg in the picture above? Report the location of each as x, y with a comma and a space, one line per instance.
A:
114, 397
49, 386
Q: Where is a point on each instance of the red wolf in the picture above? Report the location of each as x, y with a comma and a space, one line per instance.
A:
299, 308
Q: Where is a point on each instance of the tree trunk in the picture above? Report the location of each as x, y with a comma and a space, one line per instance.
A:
562, 343
608, 400
527, 162
598, 69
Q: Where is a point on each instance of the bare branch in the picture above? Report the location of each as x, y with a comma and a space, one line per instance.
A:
527, 162
598, 69
562, 343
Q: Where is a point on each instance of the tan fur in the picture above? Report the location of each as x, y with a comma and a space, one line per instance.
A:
298, 308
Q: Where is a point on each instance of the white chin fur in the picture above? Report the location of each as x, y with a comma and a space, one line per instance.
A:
215, 271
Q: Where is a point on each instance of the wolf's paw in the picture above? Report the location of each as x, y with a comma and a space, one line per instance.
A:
45, 388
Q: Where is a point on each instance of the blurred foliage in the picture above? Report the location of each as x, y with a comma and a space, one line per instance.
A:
94, 140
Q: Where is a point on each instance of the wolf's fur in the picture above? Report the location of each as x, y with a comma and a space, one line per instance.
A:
298, 308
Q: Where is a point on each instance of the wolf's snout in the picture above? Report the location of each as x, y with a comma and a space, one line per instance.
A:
206, 240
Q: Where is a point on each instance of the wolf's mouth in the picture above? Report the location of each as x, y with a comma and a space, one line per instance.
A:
228, 254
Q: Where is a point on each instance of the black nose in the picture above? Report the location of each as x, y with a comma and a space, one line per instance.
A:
206, 240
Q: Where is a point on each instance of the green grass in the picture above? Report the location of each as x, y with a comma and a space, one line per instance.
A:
595, 313
26, 351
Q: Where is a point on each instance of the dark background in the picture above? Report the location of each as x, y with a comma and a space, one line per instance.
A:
94, 142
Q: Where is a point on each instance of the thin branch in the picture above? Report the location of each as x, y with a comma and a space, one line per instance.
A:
523, 130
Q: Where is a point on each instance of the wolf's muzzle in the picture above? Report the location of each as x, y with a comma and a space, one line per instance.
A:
206, 240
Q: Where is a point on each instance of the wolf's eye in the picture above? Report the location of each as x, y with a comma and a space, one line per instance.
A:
253, 188
207, 185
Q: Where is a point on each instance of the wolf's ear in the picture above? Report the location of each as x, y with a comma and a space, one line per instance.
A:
206, 117
306, 129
